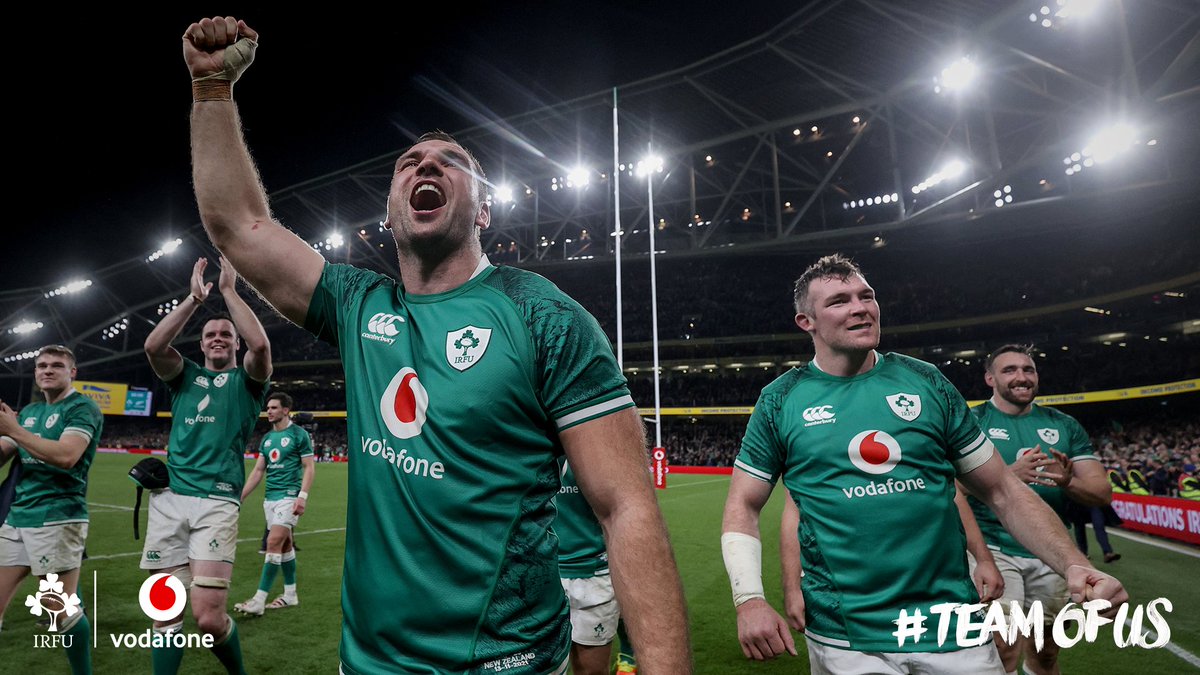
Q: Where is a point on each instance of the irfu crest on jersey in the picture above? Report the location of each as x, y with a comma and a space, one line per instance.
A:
1050, 436
906, 406
465, 346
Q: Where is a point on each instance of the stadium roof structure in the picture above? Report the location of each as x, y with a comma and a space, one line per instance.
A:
844, 122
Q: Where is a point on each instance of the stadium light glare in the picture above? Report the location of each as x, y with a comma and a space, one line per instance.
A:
166, 249
69, 287
116, 329
951, 170
578, 177
1110, 142
649, 165
504, 194
956, 77
20, 357
25, 327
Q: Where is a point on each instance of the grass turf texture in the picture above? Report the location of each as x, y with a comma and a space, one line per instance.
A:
304, 639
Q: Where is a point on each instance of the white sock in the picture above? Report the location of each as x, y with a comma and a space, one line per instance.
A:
289, 591
260, 596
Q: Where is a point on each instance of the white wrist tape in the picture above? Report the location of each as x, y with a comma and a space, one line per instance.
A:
743, 562
302, 495
237, 58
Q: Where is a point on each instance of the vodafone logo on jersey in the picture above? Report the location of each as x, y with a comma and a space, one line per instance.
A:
162, 597
403, 404
273, 455
874, 452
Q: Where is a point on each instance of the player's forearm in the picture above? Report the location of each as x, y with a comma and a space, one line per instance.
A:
1090, 490
158, 342
648, 589
789, 548
310, 471
249, 328
976, 545
59, 453
1035, 525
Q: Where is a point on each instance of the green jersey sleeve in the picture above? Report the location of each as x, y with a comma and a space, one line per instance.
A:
763, 453
338, 293
967, 447
84, 420
306, 448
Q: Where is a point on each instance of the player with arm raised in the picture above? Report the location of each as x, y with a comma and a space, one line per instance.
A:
192, 525
466, 382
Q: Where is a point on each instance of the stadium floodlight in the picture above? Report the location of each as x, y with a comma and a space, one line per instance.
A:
504, 194
649, 165
69, 287
956, 77
116, 329
1110, 142
949, 171
25, 327
167, 307
166, 249
20, 357
578, 177
1049, 16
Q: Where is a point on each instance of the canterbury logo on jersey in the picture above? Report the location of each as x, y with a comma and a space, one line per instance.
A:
822, 414
998, 433
382, 327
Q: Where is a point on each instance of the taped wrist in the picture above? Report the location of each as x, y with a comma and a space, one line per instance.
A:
743, 562
219, 85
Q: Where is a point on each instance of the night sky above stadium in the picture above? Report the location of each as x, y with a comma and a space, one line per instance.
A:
101, 100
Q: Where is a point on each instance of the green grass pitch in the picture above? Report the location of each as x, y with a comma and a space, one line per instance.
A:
304, 639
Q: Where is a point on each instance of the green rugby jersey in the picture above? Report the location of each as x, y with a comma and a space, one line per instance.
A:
870, 460
283, 451
1015, 435
212, 415
455, 405
581, 551
46, 494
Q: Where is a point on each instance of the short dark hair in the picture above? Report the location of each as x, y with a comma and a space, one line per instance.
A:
220, 316
1010, 348
476, 167
285, 401
834, 266
60, 350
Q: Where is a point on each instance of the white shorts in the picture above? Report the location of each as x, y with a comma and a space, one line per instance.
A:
183, 528
594, 610
44, 550
826, 660
1027, 580
279, 512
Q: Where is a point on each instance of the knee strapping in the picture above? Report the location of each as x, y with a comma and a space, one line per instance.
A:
211, 582
173, 628
274, 558
288, 556
70, 621
183, 574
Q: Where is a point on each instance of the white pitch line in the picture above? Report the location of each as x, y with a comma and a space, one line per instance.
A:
110, 556
117, 507
1173, 648
1151, 541
699, 482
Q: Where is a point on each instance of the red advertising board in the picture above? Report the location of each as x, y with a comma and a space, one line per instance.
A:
1163, 516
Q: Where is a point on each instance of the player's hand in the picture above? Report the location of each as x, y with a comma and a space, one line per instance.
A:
1036, 468
762, 632
228, 280
1088, 583
988, 580
8, 420
200, 289
299, 505
204, 44
793, 604
1066, 466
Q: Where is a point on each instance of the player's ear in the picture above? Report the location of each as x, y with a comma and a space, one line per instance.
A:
484, 218
804, 322
988, 379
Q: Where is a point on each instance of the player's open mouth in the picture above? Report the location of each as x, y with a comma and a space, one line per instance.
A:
427, 197
861, 326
